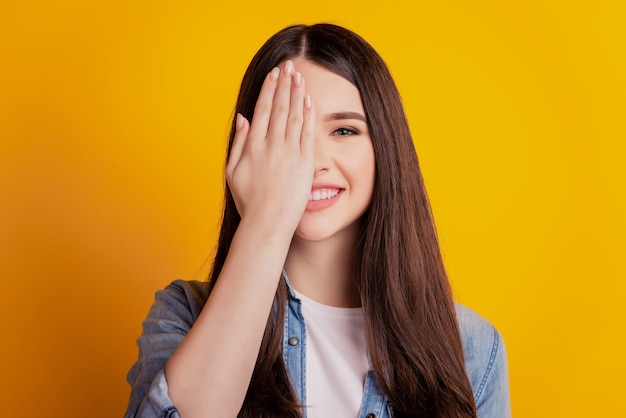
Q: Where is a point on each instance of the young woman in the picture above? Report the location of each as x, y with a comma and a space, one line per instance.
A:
328, 296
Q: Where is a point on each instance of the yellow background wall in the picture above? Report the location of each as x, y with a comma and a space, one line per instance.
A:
113, 118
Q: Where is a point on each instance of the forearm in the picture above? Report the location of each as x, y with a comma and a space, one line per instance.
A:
209, 373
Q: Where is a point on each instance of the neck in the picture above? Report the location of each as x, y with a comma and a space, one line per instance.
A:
322, 270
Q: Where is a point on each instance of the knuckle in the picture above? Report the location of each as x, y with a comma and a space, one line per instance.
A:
280, 108
295, 119
229, 175
263, 107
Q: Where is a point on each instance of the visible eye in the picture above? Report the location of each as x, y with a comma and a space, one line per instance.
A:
345, 131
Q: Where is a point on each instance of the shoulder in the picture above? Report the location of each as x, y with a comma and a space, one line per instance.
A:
476, 331
485, 354
193, 291
180, 299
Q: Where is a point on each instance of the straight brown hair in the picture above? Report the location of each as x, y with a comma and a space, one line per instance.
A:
413, 337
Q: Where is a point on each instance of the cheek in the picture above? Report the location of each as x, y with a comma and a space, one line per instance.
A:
361, 165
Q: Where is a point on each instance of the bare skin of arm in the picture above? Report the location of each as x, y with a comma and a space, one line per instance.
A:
269, 172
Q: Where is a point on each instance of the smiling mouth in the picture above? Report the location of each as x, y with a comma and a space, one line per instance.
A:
323, 194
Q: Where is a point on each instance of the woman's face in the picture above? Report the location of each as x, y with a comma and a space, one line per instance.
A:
343, 182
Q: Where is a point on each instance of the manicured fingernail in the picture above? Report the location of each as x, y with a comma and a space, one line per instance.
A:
289, 67
307, 101
239, 122
297, 79
274, 73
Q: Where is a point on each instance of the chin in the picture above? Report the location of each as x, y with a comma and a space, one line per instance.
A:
321, 230
313, 234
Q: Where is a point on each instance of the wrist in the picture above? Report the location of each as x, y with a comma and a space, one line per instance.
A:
267, 229
272, 223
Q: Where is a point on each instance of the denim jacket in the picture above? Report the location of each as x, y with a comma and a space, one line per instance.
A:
177, 306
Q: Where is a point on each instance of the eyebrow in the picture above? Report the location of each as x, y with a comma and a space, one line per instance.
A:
345, 115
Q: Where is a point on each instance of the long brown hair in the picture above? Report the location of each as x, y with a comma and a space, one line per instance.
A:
413, 338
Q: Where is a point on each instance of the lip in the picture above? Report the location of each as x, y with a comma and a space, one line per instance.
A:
317, 205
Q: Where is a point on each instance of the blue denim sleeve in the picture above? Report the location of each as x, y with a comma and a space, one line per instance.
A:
170, 318
486, 364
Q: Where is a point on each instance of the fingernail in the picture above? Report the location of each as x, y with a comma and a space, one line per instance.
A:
274, 73
289, 67
307, 101
239, 122
297, 79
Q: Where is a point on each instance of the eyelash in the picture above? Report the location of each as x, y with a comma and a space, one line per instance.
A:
346, 132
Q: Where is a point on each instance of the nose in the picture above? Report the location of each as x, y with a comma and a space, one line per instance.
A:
323, 161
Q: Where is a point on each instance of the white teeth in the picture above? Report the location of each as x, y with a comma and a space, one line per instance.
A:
323, 194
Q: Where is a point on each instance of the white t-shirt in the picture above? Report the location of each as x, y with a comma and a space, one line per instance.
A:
336, 359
